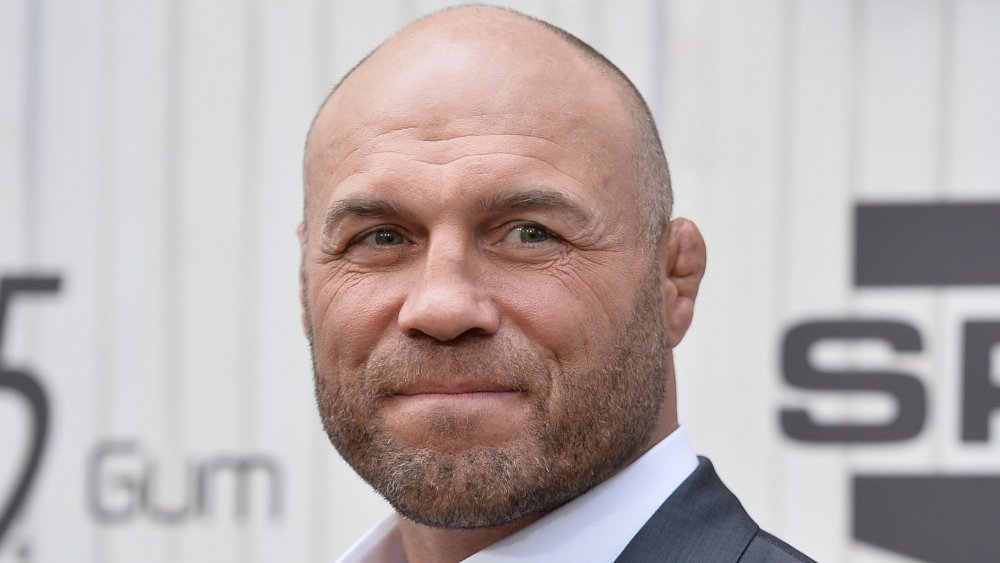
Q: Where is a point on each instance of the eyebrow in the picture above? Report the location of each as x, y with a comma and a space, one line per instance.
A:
532, 198
360, 207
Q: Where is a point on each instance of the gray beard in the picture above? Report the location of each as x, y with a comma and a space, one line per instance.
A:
603, 420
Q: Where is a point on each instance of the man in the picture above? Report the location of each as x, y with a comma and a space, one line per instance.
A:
492, 287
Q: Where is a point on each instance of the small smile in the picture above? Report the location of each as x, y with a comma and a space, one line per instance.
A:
457, 388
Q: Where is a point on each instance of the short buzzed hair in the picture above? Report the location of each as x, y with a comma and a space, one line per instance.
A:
649, 163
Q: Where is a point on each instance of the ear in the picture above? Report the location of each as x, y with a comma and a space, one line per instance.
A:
306, 326
682, 259
301, 232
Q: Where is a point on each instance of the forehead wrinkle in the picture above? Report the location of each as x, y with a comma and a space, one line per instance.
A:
434, 156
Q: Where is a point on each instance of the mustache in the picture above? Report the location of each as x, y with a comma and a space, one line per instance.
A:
411, 363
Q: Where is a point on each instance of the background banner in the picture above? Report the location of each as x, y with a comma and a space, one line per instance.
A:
842, 159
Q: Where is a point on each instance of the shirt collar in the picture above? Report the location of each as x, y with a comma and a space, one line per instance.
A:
381, 544
596, 526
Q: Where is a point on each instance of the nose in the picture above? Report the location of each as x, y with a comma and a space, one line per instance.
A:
448, 299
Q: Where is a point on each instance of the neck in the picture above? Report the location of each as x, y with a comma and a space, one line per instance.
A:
445, 545
426, 544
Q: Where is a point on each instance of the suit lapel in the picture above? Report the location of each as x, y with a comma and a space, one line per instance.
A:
701, 521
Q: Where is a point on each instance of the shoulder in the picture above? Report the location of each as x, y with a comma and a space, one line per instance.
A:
703, 521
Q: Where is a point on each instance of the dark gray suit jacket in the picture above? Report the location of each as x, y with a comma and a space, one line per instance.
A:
702, 521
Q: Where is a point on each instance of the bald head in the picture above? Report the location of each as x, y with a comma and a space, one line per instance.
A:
489, 279
450, 49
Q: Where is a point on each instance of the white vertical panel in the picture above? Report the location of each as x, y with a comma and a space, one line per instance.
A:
16, 84
284, 413
736, 196
212, 237
65, 235
138, 378
899, 79
813, 216
14, 37
817, 209
973, 131
688, 60
692, 53
628, 36
899, 58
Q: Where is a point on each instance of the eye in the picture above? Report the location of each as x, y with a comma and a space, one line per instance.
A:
383, 236
529, 234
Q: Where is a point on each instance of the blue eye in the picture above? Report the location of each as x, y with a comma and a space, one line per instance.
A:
532, 234
385, 237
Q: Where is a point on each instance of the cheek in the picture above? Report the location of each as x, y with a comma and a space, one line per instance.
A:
571, 320
350, 315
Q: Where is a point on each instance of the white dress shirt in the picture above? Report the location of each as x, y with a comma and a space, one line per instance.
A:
595, 526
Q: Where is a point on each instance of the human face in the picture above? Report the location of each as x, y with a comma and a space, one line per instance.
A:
485, 316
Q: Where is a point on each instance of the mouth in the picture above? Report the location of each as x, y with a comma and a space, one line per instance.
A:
454, 414
469, 396
470, 388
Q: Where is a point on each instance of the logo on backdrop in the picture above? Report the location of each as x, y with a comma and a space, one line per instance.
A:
23, 383
125, 482
935, 245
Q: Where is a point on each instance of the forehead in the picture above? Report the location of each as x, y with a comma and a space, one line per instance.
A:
456, 89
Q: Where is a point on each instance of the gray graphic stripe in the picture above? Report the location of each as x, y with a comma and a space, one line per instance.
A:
933, 518
927, 244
